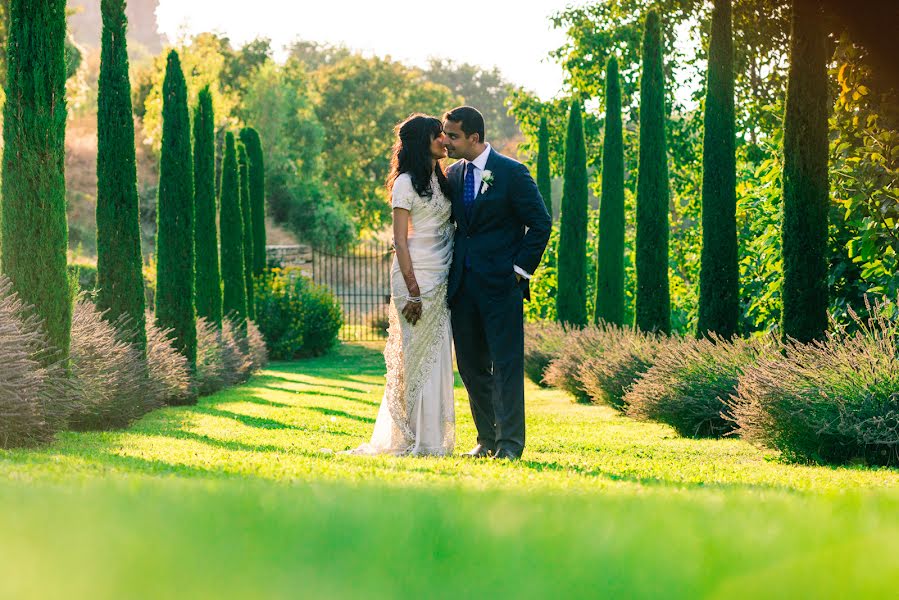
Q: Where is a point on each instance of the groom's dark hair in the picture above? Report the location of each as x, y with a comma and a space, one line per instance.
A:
470, 118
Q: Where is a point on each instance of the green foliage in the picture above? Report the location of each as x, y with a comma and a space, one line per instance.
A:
719, 281
85, 275
357, 142
250, 139
543, 343
234, 302
805, 179
33, 225
247, 220
829, 402
653, 309
175, 213
864, 178
571, 300
691, 382
296, 316
206, 244
609, 304
545, 283
119, 262
544, 179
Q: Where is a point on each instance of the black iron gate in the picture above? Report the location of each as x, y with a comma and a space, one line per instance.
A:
360, 279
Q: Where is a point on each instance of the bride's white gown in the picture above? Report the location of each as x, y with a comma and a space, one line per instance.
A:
417, 415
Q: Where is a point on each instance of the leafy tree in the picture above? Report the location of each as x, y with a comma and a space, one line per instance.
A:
250, 139
571, 303
175, 213
610, 249
653, 299
234, 300
33, 217
719, 282
544, 180
805, 181
208, 278
247, 220
119, 264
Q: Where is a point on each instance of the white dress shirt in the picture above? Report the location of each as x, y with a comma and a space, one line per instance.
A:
480, 163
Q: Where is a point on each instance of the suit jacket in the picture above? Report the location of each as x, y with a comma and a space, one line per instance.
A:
494, 239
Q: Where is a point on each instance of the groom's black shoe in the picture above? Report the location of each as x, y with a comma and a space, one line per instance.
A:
479, 451
505, 454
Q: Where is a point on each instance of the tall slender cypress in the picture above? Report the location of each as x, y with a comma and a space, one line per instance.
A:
719, 275
805, 294
234, 299
251, 141
653, 307
119, 263
247, 217
208, 279
175, 217
34, 228
544, 181
610, 247
571, 299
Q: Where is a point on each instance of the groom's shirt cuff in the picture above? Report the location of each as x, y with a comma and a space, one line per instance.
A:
522, 272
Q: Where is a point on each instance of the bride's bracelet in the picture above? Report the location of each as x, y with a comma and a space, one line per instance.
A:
413, 299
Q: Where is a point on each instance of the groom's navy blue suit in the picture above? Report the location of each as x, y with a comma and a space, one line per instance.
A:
487, 300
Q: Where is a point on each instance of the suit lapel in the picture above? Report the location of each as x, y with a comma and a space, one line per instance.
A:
479, 197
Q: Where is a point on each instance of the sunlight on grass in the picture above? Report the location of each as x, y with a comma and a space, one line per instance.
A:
247, 494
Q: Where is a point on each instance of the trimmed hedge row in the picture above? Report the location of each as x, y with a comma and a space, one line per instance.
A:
834, 401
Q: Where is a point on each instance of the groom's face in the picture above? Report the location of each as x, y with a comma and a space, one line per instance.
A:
458, 145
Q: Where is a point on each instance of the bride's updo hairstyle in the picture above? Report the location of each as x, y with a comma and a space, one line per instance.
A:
412, 154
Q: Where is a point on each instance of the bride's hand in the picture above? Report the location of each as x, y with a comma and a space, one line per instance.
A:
412, 312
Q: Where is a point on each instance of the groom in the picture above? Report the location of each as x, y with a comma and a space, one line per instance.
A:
502, 231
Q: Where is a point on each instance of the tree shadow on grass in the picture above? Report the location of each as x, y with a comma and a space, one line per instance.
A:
648, 481
338, 413
248, 420
320, 393
262, 381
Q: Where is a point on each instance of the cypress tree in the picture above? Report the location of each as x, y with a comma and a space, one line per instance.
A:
234, 300
119, 263
251, 141
34, 228
175, 217
653, 306
719, 275
544, 181
571, 300
247, 218
610, 247
208, 280
805, 293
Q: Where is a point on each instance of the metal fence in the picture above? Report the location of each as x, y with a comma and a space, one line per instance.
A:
360, 279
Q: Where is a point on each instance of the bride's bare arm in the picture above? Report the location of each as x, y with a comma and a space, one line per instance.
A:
412, 308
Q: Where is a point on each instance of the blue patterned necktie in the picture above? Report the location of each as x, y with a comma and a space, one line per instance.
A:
468, 196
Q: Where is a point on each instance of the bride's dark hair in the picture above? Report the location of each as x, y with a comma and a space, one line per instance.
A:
412, 154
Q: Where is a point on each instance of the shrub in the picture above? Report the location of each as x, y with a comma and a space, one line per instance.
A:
578, 344
109, 373
543, 342
86, 275
258, 353
829, 402
627, 354
169, 370
36, 398
211, 375
235, 350
297, 317
690, 384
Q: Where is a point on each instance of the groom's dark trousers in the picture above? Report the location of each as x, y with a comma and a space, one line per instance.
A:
508, 226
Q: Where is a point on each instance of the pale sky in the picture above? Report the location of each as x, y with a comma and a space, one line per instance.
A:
514, 35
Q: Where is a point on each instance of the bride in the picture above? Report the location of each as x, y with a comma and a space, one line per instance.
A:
417, 415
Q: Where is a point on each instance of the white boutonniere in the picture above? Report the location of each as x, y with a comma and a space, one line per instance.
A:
486, 181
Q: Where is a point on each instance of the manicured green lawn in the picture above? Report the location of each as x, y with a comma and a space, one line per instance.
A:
241, 496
